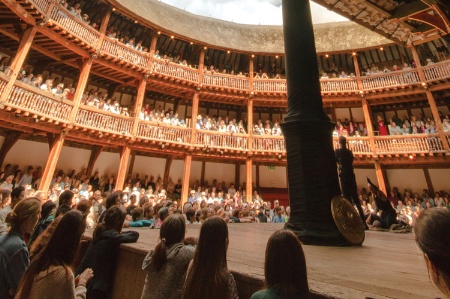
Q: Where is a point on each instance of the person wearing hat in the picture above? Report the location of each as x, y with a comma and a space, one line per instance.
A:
47, 216
192, 197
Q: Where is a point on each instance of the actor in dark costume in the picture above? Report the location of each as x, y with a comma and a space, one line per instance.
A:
388, 214
344, 158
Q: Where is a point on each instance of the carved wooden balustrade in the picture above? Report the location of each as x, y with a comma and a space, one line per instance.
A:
409, 144
358, 145
390, 80
269, 143
342, 85
226, 81
42, 5
269, 85
175, 70
42, 104
438, 71
96, 119
123, 52
3, 80
73, 28
161, 132
213, 139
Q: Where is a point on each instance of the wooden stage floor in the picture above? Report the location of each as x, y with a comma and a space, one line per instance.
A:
388, 265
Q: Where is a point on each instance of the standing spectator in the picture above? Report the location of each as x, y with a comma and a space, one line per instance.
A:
17, 195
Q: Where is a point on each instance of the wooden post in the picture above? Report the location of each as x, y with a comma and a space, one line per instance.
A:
195, 103
95, 153
17, 62
251, 72
153, 44
56, 145
103, 28
250, 123
431, 101
81, 86
201, 65
138, 105
429, 182
167, 170
186, 176
10, 139
237, 175
369, 125
249, 179
383, 183
202, 175
123, 167
257, 177
131, 163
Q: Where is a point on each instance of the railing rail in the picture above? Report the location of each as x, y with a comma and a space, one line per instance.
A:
125, 53
214, 139
438, 71
226, 81
104, 121
269, 85
31, 99
393, 79
339, 85
74, 25
409, 144
179, 71
358, 145
269, 143
162, 132
41, 5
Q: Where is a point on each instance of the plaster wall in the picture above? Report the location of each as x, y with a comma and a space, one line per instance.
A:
276, 178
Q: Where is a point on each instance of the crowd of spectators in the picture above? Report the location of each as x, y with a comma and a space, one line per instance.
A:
414, 124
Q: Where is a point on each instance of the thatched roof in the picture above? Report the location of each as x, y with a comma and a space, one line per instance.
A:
331, 37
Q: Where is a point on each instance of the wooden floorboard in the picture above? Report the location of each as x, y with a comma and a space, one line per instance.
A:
387, 265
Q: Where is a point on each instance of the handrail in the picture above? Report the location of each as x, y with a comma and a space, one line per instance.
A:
268, 143
437, 71
339, 85
104, 121
121, 51
41, 5
389, 80
227, 81
214, 139
39, 102
162, 132
269, 85
165, 67
358, 145
409, 144
68, 21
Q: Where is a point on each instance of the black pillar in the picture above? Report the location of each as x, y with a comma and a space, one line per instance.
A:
312, 173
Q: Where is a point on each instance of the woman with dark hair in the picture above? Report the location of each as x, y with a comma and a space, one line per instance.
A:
284, 268
102, 252
208, 275
50, 273
166, 265
13, 249
433, 239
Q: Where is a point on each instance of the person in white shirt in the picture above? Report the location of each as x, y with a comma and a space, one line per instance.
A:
27, 177
47, 85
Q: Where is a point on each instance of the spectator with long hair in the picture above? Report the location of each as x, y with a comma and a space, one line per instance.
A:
284, 252
50, 274
434, 241
166, 265
101, 255
208, 275
14, 258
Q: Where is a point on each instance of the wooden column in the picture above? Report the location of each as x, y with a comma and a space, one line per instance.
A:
195, 103
237, 175
123, 167
201, 65
131, 164
138, 105
369, 125
429, 182
257, 177
167, 170
249, 179
95, 153
383, 182
153, 44
103, 28
202, 175
81, 86
186, 176
431, 101
56, 143
10, 139
250, 122
251, 71
17, 62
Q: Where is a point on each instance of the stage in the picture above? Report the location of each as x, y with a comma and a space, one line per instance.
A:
388, 265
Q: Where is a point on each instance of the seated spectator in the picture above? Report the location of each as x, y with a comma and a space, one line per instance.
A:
50, 274
209, 266
13, 249
431, 238
101, 255
285, 252
278, 218
166, 265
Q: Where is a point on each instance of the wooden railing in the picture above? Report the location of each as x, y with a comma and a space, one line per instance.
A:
358, 145
125, 53
42, 103
215, 139
409, 144
389, 80
42, 5
438, 71
164, 67
96, 119
161, 132
269, 143
74, 25
3, 81
339, 85
226, 81
270, 85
